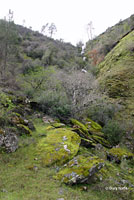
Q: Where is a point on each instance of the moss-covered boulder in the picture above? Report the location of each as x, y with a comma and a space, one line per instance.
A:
58, 125
93, 127
88, 143
90, 133
101, 141
80, 169
92, 124
80, 126
94, 132
24, 125
58, 147
117, 154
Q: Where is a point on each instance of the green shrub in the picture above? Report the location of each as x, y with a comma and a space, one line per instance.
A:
113, 132
55, 104
102, 112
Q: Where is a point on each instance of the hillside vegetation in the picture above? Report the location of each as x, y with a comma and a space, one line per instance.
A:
116, 79
97, 48
66, 122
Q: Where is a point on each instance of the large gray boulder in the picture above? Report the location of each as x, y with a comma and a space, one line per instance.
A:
8, 141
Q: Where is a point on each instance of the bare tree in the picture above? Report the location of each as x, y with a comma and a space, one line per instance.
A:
90, 30
52, 29
49, 29
44, 28
78, 87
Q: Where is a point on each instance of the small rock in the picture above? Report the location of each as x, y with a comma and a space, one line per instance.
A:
60, 199
3, 190
35, 168
84, 188
61, 191
64, 138
65, 147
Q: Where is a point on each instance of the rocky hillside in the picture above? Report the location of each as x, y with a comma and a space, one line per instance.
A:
45, 159
66, 133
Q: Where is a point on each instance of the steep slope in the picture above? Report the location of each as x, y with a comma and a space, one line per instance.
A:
116, 78
102, 44
35, 45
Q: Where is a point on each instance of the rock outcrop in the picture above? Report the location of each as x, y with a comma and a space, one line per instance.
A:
80, 169
8, 141
60, 146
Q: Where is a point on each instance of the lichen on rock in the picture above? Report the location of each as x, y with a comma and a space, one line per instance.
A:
80, 126
94, 125
101, 141
116, 154
58, 147
8, 141
80, 169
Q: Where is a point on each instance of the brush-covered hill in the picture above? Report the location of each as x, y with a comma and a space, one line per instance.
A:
117, 81
22, 50
49, 51
97, 48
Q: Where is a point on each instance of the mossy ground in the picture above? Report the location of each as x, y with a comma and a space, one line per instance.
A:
23, 177
117, 80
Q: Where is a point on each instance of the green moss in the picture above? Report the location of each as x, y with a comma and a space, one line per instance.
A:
116, 77
94, 132
93, 125
5, 101
24, 129
88, 143
58, 125
79, 168
102, 141
2, 132
50, 127
119, 153
81, 126
60, 146
31, 180
16, 114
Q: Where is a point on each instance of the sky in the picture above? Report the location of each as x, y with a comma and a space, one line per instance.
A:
71, 17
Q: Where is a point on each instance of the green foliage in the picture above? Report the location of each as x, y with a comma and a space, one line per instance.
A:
102, 111
116, 77
35, 79
93, 69
6, 106
113, 132
9, 41
107, 40
5, 101
55, 103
